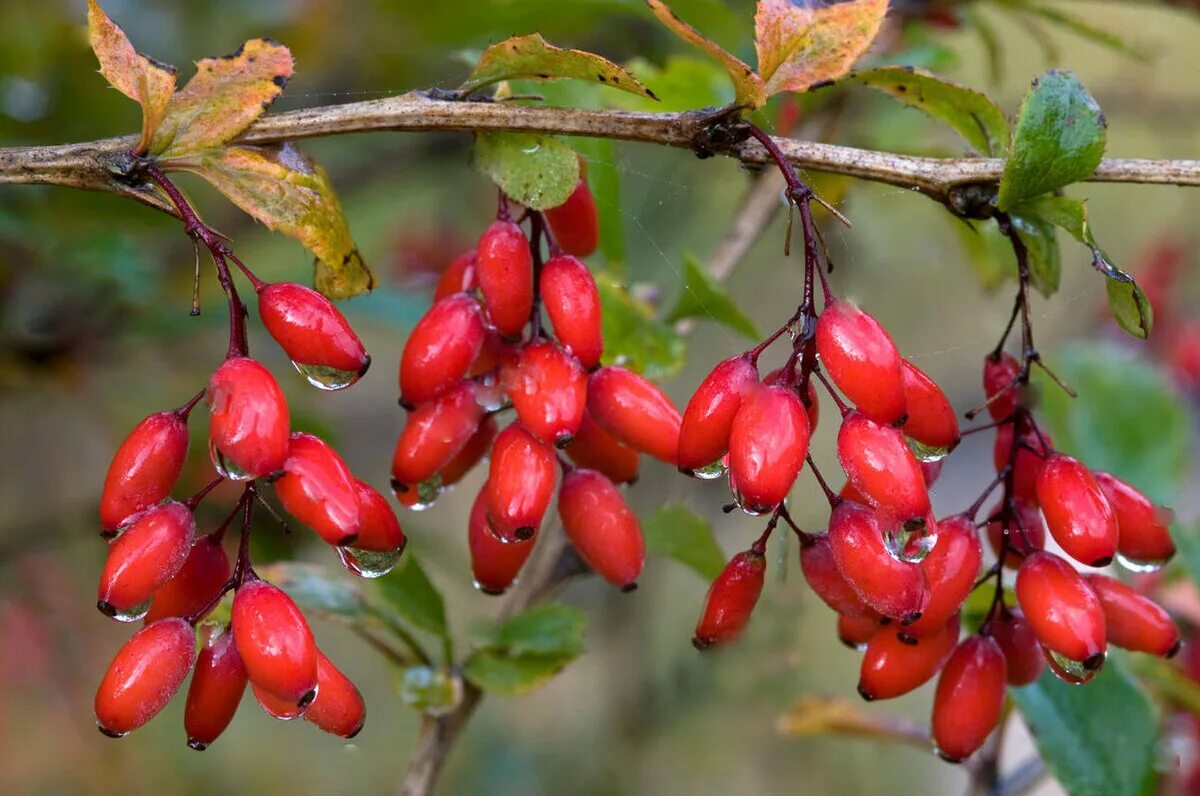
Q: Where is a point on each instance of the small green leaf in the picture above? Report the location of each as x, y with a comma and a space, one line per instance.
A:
682, 83
604, 179
317, 588
679, 533
408, 590
988, 251
1130, 307
1097, 739
550, 628
539, 171
1059, 139
498, 673
704, 298
632, 337
1045, 266
429, 690
533, 58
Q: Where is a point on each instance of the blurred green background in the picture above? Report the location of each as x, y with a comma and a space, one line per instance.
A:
95, 334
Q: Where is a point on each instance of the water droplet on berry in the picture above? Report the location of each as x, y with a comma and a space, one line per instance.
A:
480, 587
368, 563
1140, 565
108, 732
326, 378
225, 467
1069, 671
489, 394
909, 542
427, 494
926, 453
710, 471
135, 614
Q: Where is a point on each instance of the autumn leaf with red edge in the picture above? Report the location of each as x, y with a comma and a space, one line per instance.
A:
799, 46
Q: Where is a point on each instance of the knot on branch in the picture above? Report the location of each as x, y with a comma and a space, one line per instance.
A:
718, 130
974, 201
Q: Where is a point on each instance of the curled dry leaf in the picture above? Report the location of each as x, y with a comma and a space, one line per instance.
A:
533, 58
799, 46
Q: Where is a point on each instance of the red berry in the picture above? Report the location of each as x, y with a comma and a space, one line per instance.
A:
1064, 612
1076, 511
767, 446
144, 675
1027, 465
602, 528
338, 708
459, 276
635, 411
575, 224
894, 588
313, 333
520, 483
1026, 532
930, 471
249, 420
931, 420
202, 575
275, 643
505, 271
494, 563
999, 379
379, 530
441, 349
471, 453
896, 663
708, 418
275, 707
969, 698
572, 301
149, 553
1134, 622
318, 490
1144, 535
1020, 646
827, 581
855, 632
730, 600
144, 469
879, 464
434, 434
951, 569
216, 690
548, 388
809, 399
862, 360
596, 449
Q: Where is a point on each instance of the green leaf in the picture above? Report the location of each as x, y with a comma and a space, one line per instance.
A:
533, 58
547, 629
970, 113
632, 337
317, 588
989, 252
1059, 139
604, 179
539, 171
1130, 307
682, 83
678, 532
408, 590
498, 673
1045, 267
704, 298
1097, 739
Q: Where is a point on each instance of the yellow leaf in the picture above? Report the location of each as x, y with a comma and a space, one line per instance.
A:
533, 58
799, 46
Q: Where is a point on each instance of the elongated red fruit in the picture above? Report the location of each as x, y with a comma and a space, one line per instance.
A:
548, 388
1018, 642
601, 527
494, 564
572, 301
950, 569
827, 581
144, 675
855, 632
635, 411
969, 698
596, 449
575, 223
275, 643
1144, 536
249, 425
313, 333
767, 446
441, 349
1031, 455
862, 360
149, 553
459, 277
1077, 513
144, 469
731, 600
1026, 532
202, 575
216, 690
931, 419
434, 434
880, 465
1133, 621
379, 530
708, 418
472, 452
318, 490
896, 663
1063, 610
521, 481
894, 588
505, 271
275, 707
338, 708
999, 376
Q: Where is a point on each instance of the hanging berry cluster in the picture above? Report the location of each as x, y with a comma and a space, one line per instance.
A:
161, 572
897, 576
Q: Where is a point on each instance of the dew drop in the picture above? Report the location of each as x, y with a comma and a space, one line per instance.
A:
110, 733
368, 563
134, 614
435, 692
324, 377
226, 467
489, 395
909, 542
710, 471
1141, 565
926, 453
426, 494
1070, 671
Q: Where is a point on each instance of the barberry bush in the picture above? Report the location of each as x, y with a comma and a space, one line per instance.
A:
891, 458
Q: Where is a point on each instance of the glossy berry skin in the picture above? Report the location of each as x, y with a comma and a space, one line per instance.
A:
378, 530
895, 663
1144, 534
434, 434
572, 302
856, 632
144, 675
601, 527
998, 377
147, 555
1027, 465
202, 575
216, 689
635, 411
827, 581
494, 564
1018, 642
472, 452
969, 698
1134, 622
318, 490
1063, 610
767, 445
548, 388
459, 277
931, 420
249, 419
505, 271
310, 329
1026, 535
1076, 511
338, 708
144, 469
880, 465
275, 707
951, 568
441, 349
894, 588
275, 643
860, 357
521, 480
596, 449
575, 223
708, 418
731, 600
